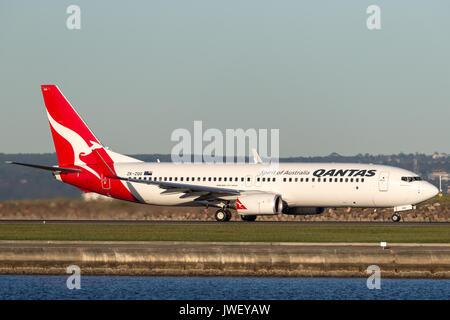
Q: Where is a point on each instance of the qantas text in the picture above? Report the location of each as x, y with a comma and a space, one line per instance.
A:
342, 173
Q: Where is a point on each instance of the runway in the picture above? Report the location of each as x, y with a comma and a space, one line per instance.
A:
194, 222
163, 245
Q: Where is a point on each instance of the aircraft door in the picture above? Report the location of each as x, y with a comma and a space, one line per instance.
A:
106, 183
383, 181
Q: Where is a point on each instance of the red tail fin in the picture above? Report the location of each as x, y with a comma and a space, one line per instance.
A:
74, 142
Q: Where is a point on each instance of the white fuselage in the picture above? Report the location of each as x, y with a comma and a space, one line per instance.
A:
299, 184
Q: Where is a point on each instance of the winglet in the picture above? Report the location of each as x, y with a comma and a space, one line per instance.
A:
256, 157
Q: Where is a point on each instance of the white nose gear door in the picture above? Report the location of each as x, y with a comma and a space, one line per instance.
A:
383, 181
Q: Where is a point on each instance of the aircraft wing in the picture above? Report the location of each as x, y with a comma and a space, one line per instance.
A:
189, 190
200, 193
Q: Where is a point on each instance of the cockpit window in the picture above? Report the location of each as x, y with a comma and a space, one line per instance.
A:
410, 179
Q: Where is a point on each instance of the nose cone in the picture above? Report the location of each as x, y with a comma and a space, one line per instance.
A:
429, 191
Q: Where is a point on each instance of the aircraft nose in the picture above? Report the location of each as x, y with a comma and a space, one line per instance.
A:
430, 191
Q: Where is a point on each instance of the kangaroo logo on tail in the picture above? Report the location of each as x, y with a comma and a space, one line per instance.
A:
79, 146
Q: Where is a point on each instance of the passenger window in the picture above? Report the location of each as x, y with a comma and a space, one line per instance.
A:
307, 180
362, 179
181, 178
313, 179
284, 179
318, 179
209, 178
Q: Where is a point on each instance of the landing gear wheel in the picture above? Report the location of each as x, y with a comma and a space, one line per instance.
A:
222, 215
396, 217
248, 217
228, 214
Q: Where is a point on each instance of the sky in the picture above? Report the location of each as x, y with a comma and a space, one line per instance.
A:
138, 70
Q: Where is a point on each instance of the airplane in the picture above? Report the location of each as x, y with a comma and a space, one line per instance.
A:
252, 189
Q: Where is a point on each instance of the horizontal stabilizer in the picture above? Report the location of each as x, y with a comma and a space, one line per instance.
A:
37, 166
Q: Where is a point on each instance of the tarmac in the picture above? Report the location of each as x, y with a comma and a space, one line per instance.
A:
192, 222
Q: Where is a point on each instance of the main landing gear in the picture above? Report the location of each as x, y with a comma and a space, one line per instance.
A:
223, 215
396, 217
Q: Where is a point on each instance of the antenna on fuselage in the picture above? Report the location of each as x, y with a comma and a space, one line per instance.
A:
256, 157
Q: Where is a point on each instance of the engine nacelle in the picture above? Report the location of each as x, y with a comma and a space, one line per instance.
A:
303, 210
259, 204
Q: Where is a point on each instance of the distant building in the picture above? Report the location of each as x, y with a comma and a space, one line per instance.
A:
436, 174
90, 196
439, 155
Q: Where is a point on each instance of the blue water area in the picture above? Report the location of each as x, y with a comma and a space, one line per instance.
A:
168, 288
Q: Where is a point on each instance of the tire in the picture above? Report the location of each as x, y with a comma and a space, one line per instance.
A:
228, 213
248, 218
395, 218
221, 215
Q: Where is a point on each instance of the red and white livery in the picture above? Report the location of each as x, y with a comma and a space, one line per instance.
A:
252, 189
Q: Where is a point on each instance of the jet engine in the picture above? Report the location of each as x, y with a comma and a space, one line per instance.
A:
259, 204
